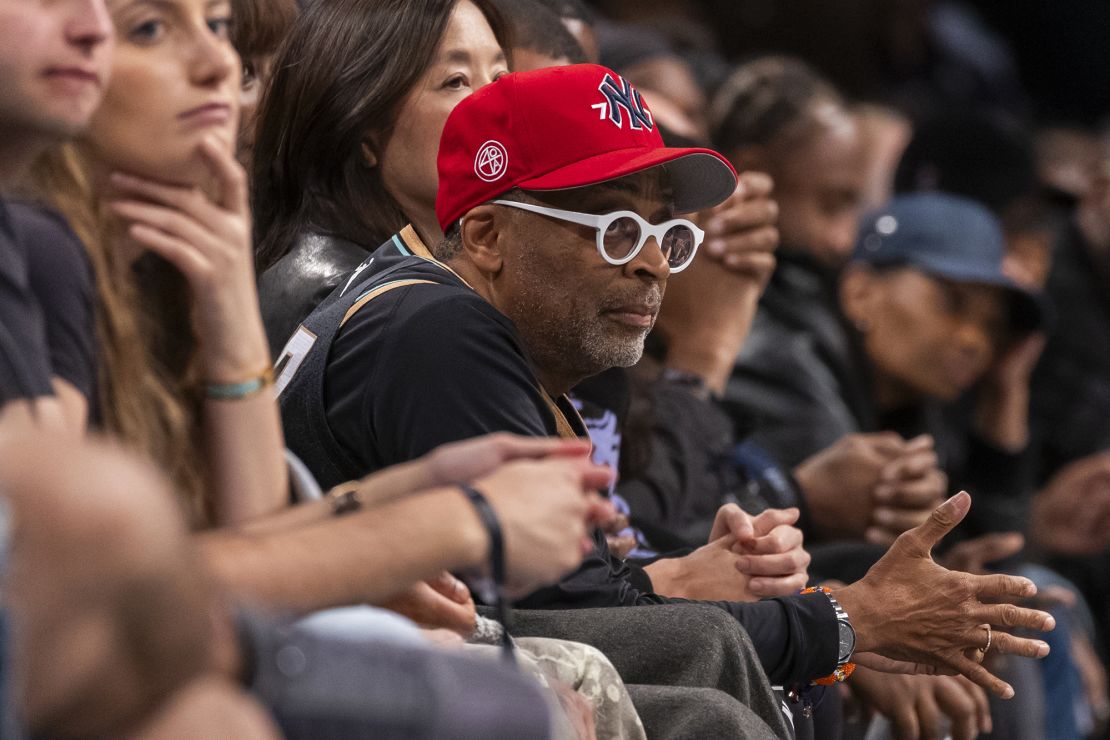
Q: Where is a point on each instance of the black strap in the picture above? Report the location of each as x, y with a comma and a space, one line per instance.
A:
497, 562
303, 417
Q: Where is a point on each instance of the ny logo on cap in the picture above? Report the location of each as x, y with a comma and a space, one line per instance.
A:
491, 162
620, 98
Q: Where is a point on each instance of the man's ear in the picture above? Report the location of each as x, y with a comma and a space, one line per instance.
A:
856, 294
483, 239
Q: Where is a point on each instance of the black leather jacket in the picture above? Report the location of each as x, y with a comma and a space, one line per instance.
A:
294, 285
799, 379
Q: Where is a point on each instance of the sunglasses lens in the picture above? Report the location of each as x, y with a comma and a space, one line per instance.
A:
621, 237
678, 245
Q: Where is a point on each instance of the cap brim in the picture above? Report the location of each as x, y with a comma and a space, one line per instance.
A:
1029, 310
700, 178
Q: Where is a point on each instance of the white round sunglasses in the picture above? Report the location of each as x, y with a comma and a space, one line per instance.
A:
622, 234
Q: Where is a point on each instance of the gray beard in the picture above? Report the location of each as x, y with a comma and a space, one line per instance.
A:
575, 347
606, 352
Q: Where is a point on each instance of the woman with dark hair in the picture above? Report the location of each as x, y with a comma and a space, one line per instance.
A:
345, 152
260, 27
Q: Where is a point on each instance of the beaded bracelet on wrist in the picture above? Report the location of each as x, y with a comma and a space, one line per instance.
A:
240, 390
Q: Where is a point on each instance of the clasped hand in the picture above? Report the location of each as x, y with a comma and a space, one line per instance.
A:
747, 558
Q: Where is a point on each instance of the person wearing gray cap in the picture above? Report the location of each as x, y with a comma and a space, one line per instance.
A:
926, 314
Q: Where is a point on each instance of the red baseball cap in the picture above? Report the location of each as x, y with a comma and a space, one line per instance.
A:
563, 127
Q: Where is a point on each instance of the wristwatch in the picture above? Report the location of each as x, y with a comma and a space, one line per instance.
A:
846, 639
844, 630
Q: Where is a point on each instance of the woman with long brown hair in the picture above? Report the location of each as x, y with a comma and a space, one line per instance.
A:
184, 371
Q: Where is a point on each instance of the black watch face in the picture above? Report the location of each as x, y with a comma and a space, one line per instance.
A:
847, 640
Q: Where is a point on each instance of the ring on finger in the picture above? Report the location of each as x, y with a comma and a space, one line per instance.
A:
983, 650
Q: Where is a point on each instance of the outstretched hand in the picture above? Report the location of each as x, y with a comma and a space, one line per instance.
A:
921, 618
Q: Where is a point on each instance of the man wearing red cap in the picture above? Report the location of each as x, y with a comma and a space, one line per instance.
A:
558, 200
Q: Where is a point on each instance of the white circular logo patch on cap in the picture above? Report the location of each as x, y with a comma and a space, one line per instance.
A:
491, 162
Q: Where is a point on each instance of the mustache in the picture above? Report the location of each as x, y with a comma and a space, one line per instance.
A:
651, 298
